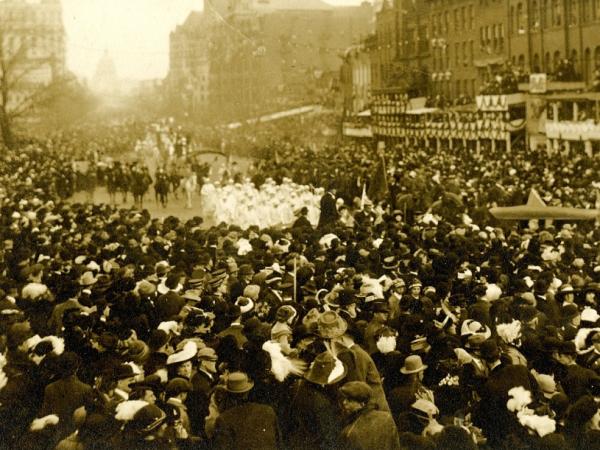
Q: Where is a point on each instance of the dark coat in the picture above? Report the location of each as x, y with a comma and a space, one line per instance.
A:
247, 426
62, 398
329, 213
362, 368
314, 418
370, 429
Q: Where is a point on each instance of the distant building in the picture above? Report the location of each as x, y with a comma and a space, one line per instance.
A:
105, 80
356, 79
33, 38
262, 55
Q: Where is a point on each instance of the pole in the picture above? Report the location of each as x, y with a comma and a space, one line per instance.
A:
295, 281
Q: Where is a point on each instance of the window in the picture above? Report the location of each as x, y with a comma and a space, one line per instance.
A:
471, 17
471, 55
556, 60
456, 22
547, 67
535, 15
447, 21
522, 62
456, 54
556, 13
597, 57
536, 64
520, 24
465, 54
463, 18
511, 20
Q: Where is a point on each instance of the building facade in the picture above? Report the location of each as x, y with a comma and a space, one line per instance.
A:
32, 36
267, 55
463, 44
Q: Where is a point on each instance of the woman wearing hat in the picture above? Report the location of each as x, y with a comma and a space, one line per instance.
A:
314, 419
243, 424
358, 362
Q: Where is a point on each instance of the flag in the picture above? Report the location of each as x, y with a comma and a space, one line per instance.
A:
378, 187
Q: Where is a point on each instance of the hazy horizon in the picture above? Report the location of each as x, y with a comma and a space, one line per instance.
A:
135, 33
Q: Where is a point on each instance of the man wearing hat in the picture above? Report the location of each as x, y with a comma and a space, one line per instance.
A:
203, 383
412, 388
176, 393
381, 313
366, 427
243, 424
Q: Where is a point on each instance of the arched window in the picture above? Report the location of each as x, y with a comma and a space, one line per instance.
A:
556, 60
520, 25
536, 68
547, 67
587, 64
575, 61
597, 57
556, 13
535, 15
511, 20
522, 62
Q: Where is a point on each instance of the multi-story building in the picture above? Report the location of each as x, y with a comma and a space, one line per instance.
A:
355, 79
188, 79
264, 55
462, 44
32, 36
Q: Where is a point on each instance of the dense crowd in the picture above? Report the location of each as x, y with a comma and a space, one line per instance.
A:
412, 320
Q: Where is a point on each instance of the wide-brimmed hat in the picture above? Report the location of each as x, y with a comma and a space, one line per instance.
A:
146, 288
238, 383
325, 370
245, 304
413, 364
330, 325
87, 279
188, 352
390, 263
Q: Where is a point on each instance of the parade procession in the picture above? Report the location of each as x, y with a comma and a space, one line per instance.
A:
299, 224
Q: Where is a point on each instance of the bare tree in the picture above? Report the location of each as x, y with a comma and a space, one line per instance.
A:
21, 87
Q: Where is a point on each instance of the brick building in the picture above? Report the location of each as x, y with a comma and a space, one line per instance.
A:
461, 44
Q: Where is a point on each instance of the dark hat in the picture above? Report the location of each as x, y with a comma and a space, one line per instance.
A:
489, 350
325, 369
238, 383
569, 311
380, 307
357, 390
67, 364
176, 386
151, 382
123, 371
245, 270
346, 297
108, 340
147, 419
157, 339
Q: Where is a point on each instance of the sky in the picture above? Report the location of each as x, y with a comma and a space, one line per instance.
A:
135, 33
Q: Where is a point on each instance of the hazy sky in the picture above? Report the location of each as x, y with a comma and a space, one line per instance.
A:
134, 32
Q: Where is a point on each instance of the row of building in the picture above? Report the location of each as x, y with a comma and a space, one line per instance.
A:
455, 48
240, 58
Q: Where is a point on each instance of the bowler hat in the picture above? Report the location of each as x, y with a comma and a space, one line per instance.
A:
238, 383
413, 364
176, 386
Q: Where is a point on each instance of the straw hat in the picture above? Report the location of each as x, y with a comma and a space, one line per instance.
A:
413, 364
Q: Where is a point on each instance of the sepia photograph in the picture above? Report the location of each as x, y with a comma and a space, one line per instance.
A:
299, 224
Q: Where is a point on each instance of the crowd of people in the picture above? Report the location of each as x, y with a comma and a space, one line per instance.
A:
408, 320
